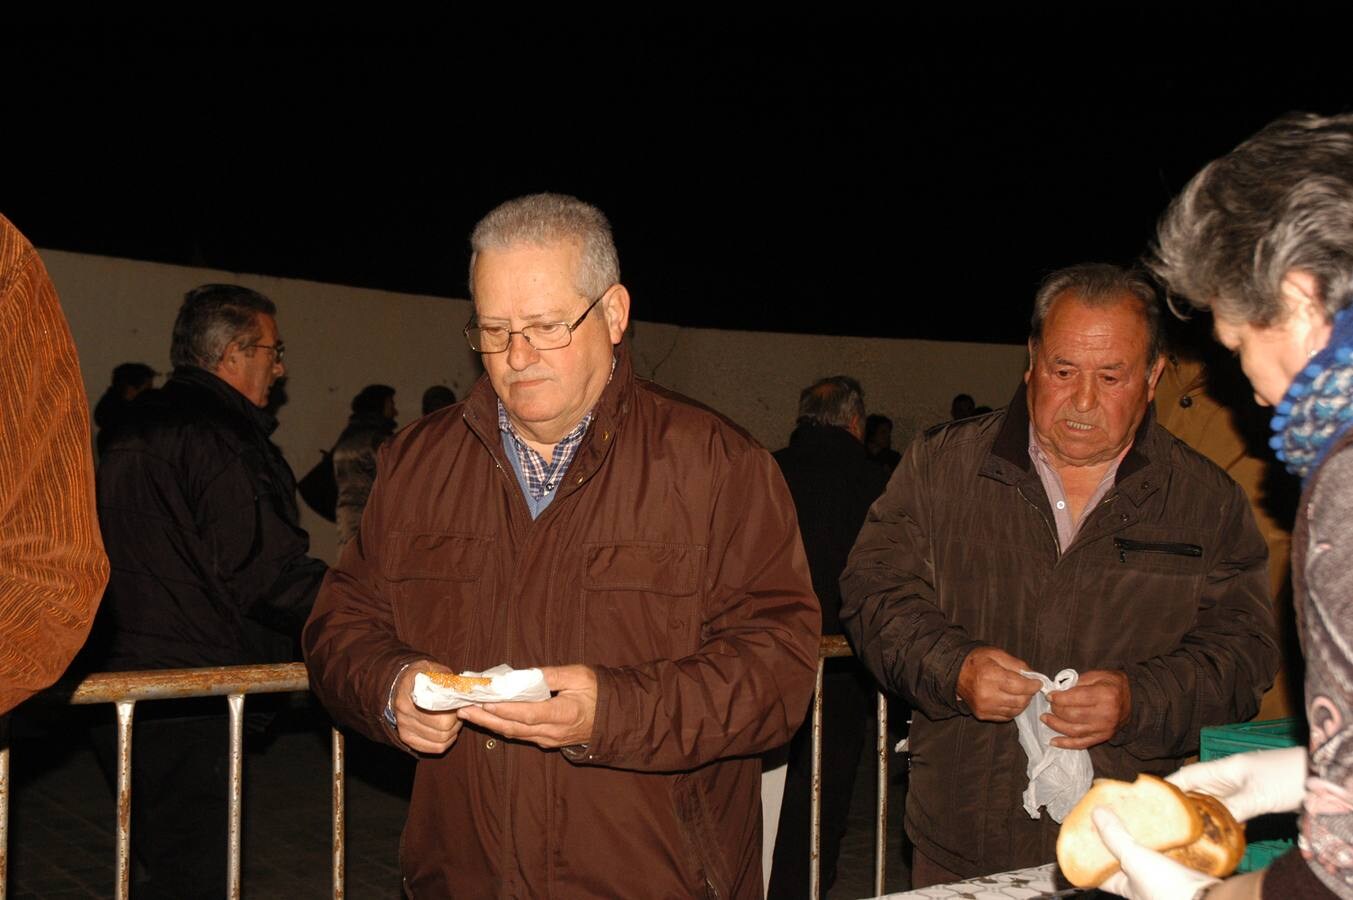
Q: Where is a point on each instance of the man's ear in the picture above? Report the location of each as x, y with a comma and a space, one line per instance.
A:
616, 307
230, 359
1157, 369
1028, 373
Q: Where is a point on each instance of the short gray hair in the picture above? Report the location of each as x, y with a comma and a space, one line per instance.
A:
1280, 201
1099, 285
211, 318
837, 400
545, 219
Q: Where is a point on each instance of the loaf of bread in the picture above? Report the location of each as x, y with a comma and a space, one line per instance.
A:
1193, 829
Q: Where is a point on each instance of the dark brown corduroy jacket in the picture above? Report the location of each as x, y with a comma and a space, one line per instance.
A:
670, 562
52, 566
1165, 580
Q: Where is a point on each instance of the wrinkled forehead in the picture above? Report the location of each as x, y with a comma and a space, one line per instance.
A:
560, 259
526, 280
1114, 326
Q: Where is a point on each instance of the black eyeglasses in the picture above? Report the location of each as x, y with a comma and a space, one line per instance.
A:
279, 349
544, 336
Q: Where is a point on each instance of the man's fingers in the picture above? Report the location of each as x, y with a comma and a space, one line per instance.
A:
1077, 735
477, 715
1067, 727
434, 738
1080, 697
1018, 685
548, 734
542, 712
515, 727
1080, 743
1002, 708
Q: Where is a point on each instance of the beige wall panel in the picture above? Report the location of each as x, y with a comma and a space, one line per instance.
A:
341, 338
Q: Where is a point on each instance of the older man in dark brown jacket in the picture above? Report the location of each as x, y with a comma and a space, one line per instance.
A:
1065, 531
640, 548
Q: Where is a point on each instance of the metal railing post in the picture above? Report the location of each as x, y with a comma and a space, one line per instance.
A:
123, 889
340, 815
881, 825
236, 702
815, 806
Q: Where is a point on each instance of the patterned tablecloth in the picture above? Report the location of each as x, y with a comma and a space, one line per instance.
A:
1022, 884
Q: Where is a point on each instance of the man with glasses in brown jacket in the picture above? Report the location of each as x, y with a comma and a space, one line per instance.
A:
639, 547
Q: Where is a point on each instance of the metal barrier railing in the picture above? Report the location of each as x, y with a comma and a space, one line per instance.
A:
125, 689
835, 645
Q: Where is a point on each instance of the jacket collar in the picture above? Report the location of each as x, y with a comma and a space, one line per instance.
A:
229, 400
828, 439
1008, 460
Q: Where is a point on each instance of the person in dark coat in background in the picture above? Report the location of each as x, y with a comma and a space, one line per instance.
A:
436, 397
129, 381
878, 441
371, 422
833, 482
209, 568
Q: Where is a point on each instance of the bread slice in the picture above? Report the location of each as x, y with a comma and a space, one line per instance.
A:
462, 683
1218, 851
1155, 813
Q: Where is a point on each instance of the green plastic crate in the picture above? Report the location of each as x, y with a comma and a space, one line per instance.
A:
1224, 740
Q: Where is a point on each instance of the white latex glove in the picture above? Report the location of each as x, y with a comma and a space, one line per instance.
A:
1250, 784
1144, 874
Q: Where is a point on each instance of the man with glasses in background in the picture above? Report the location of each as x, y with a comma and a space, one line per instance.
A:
210, 567
639, 548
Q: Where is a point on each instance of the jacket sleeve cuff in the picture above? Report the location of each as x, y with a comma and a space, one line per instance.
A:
387, 720
598, 749
946, 683
1145, 721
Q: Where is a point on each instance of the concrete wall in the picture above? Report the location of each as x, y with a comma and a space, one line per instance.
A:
341, 338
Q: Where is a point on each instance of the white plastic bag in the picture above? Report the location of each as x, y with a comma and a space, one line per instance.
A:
1058, 777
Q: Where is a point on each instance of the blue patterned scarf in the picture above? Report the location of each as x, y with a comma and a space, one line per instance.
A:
1318, 407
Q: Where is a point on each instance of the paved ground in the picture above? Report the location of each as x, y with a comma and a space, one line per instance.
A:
62, 817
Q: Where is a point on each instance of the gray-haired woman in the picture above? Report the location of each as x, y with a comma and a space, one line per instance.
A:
1264, 238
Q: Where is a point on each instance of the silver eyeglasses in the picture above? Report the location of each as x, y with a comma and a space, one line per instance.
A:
544, 336
279, 349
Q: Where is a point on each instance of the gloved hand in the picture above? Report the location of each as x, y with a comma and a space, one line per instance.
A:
1250, 784
1144, 874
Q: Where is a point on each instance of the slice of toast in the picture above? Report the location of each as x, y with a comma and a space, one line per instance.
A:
462, 683
1155, 813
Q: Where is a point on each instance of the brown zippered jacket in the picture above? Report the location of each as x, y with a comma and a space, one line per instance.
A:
1166, 580
670, 562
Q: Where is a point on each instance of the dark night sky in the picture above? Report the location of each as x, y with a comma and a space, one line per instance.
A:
904, 175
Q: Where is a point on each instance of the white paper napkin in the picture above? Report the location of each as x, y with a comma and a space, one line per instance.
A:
507, 684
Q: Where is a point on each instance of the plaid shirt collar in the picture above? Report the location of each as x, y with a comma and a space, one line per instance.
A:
543, 477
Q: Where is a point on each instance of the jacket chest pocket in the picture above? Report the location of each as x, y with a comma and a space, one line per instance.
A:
1153, 580
640, 601
437, 584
